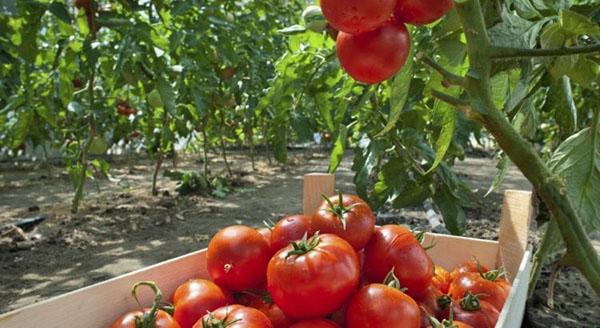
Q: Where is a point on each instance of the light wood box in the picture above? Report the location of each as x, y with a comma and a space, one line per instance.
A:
97, 306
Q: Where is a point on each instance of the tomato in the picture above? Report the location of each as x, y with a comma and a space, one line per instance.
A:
421, 12
469, 266
266, 233
312, 278
237, 258
374, 56
315, 323
441, 279
447, 324
394, 246
379, 305
163, 320
357, 16
347, 216
196, 297
262, 301
234, 316
290, 228
123, 108
471, 311
493, 290
432, 303
149, 317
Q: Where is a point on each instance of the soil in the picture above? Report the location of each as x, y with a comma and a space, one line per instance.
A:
121, 227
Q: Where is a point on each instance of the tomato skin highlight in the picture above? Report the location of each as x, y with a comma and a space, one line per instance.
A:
196, 297
315, 323
163, 320
237, 258
421, 12
394, 246
316, 283
469, 266
247, 317
360, 221
290, 228
493, 292
378, 305
357, 16
375, 56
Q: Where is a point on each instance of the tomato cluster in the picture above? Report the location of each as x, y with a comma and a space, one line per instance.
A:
332, 269
373, 42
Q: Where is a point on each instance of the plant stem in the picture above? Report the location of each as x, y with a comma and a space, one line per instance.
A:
159, 162
507, 52
448, 76
205, 149
580, 252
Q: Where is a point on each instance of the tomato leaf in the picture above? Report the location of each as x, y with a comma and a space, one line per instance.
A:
448, 116
337, 153
502, 167
454, 216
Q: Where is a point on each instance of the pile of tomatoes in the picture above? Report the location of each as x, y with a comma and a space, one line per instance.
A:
373, 42
332, 269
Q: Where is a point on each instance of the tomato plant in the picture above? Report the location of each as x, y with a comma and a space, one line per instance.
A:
237, 258
313, 277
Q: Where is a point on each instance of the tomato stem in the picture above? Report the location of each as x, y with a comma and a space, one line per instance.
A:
148, 319
304, 245
470, 302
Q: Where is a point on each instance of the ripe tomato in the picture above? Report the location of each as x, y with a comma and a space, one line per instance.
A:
441, 279
421, 12
374, 56
357, 16
163, 320
196, 297
266, 233
262, 301
312, 278
493, 290
315, 323
432, 303
234, 316
290, 228
447, 324
379, 305
471, 311
472, 265
237, 258
394, 246
347, 216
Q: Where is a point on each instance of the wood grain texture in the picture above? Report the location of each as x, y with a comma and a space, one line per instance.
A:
514, 230
512, 313
315, 185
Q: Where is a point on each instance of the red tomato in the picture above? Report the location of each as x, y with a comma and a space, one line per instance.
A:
261, 300
471, 311
237, 258
234, 316
448, 324
374, 56
266, 233
469, 266
312, 278
315, 323
441, 279
394, 246
163, 320
379, 305
421, 12
493, 291
357, 16
347, 216
290, 228
196, 297
433, 301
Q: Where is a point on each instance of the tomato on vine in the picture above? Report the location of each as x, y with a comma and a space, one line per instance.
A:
196, 297
374, 56
346, 216
237, 258
421, 12
313, 277
357, 16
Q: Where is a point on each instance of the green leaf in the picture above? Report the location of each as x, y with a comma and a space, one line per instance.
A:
559, 100
59, 10
167, 95
578, 24
577, 162
414, 193
337, 153
448, 117
294, 29
502, 167
452, 212
515, 31
399, 93
98, 146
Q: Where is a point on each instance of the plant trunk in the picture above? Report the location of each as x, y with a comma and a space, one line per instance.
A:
159, 162
205, 151
222, 139
580, 252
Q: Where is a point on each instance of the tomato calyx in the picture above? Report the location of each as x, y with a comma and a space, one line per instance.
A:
148, 319
492, 275
446, 323
391, 280
470, 302
304, 245
420, 236
209, 321
444, 301
339, 209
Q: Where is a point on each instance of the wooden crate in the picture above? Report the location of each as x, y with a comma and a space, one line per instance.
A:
97, 306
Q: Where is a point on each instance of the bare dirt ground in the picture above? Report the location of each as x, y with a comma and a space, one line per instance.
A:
121, 227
